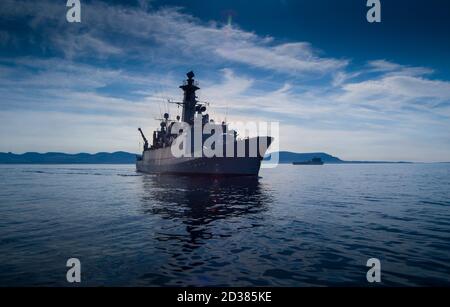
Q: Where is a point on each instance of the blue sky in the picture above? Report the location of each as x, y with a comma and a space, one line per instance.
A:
334, 82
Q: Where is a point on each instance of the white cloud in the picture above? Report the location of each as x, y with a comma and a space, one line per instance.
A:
393, 91
397, 69
292, 58
109, 30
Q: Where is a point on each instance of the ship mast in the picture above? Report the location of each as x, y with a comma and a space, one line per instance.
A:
189, 100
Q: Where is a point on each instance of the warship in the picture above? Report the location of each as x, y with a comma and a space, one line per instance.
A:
232, 156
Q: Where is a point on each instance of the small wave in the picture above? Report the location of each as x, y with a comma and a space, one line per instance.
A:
437, 203
129, 175
37, 172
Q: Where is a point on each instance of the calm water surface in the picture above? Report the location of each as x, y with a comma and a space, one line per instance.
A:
295, 226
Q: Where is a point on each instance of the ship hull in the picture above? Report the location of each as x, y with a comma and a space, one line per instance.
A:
161, 161
204, 166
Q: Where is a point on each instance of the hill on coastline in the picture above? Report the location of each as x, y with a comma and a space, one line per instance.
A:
119, 157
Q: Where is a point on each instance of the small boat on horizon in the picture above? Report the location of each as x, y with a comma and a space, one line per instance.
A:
313, 161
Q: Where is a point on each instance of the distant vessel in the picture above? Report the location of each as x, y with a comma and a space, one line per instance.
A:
313, 161
243, 160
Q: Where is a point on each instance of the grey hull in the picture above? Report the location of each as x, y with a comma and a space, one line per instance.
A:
204, 166
161, 161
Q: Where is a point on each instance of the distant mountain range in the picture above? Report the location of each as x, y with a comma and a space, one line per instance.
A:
121, 157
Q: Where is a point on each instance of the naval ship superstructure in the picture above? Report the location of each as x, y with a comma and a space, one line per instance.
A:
240, 157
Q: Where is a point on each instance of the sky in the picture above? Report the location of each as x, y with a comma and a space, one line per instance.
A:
334, 82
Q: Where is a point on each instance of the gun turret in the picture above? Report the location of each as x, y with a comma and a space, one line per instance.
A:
145, 139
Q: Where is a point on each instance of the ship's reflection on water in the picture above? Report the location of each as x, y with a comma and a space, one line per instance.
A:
197, 202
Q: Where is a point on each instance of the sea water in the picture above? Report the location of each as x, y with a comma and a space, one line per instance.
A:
293, 226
